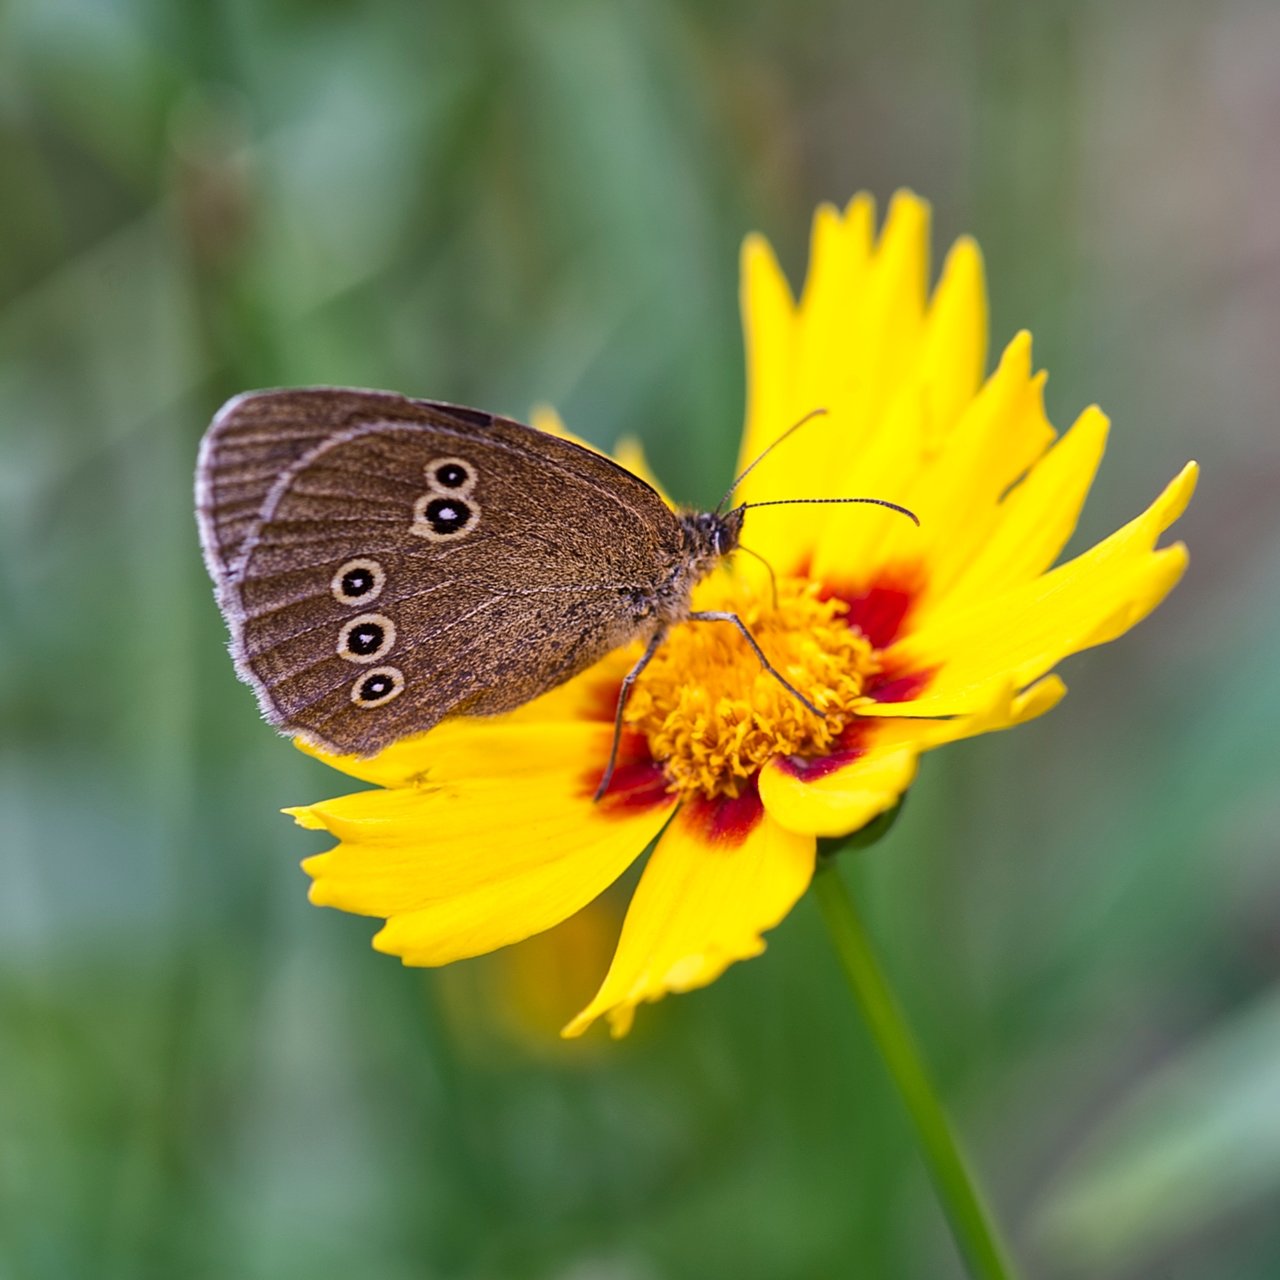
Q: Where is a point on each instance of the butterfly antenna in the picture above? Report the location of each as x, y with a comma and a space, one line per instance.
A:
765, 452
875, 502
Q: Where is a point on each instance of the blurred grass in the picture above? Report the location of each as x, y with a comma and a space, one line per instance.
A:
201, 1075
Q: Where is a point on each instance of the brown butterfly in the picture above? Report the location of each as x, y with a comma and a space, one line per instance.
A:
384, 562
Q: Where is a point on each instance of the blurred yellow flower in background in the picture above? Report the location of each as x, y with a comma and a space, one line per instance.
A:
513, 1001
485, 831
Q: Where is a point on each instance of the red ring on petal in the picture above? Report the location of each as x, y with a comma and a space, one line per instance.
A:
726, 820
897, 683
880, 606
851, 745
638, 780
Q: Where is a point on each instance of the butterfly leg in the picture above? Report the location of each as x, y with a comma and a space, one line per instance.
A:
624, 692
717, 616
773, 577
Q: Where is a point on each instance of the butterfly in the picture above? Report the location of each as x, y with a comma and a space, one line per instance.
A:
384, 562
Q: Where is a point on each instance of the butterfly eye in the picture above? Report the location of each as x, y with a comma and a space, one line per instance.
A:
358, 581
377, 687
436, 517
451, 475
366, 638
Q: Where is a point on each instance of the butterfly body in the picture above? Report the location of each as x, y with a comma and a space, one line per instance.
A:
384, 562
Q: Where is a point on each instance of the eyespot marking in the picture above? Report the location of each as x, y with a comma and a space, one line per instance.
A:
377, 687
359, 581
366, 638
451, 475
438, 517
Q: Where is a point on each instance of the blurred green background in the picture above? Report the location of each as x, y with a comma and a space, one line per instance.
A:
501, 203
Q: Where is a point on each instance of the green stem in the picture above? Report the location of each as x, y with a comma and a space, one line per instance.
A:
975, 1232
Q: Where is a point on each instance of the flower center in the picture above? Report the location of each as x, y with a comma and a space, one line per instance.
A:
712, 715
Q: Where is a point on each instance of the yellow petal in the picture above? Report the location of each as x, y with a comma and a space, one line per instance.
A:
1022, 633
498, 840
801, 359
768, 321
957, 496
1039, 515
892, 318
892, 370
835, 796
840, 258
954, 483
844, 800
703, 901
954, 348
845, 352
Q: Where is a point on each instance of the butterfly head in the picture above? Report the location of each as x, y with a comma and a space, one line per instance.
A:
711, 535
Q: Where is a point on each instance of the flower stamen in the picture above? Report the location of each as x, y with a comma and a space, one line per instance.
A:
713, 716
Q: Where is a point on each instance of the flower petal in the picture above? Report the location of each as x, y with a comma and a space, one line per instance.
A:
1040, 514
828, 797
953, 353
768, 321
953, 483
498, 840
843, 351
840, 259
891, 319
1022, 633
846, 799
710, 889
892, 369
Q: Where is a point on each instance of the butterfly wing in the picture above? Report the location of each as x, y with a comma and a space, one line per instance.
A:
408, 560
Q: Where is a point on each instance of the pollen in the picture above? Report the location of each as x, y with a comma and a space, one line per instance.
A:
713, 716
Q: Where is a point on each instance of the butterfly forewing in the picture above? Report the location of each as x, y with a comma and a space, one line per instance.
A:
414, 560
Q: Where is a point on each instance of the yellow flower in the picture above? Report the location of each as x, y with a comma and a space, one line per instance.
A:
484, 831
